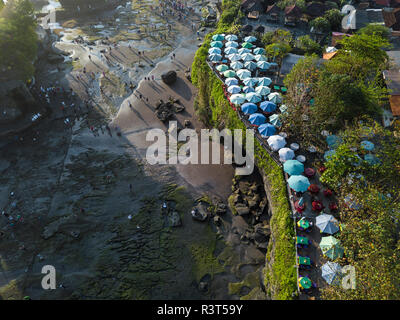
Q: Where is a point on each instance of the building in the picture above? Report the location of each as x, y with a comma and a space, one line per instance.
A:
316, 9
272, 13
255, 7
292, 14
392, 79
358, 19
336, 36
391, 17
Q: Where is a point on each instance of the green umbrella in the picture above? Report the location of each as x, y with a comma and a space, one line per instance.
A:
304, 261
222, 67
331, 247
305, 282
301, 240
303, 223
247, 45
229, 73
218, 37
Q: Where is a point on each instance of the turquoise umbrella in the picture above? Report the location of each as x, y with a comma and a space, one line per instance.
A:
234, 89
247, 57
217, 44
236, 65
328, 154
249, 108
260, 57
274, 119
267, 106
257, 119
267, 129
253, 97
333, 141
251, 65
264, 81
229, 73
234, 57
247, 45
231, 37
259, 51
237, 99
215, 57
233, 44
263, 90
244, 50
222, 67
243, 74
263, 65
230, 50
218, 37
371, 159
298, 183
231, 81
367, 145
214, 50
250, 39
250, 81
275, 97
293, 167
247, 89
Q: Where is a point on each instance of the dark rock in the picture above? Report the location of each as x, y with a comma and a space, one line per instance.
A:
242, 209
221, 208
217, 220
199, 213
169, 77
259, 29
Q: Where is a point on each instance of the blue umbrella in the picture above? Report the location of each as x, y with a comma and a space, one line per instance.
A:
231, 44
328, 154
371, 159
327, 223
293, 167
331, 271
250, 81
231, 81
267, 129
215, 57
250, 39
257, 119
260, 57
214, 50
333, 141
263, 90
231, 37
264, 81
253, 97
217, 44
263, 65
268, 106
249, 108
248, 89
298, 183
244, 50
218, 37
234, 89
230, 50
367, 145
274, 119
251, 65
259, 51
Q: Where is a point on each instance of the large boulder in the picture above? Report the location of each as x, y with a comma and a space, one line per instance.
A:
169, 77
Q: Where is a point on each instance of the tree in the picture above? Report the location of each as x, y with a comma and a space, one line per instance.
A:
334, 17
320, 24
375, 30
278, 50
279, 35
308, 45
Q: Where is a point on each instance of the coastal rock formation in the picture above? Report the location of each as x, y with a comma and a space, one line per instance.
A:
169, 77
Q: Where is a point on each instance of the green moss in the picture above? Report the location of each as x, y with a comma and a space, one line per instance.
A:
231, 204
10, 291
251, 280
180, 196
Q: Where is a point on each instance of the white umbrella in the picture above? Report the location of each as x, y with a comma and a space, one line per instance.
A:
253, 97
250, 81
243, 74
231, 37
236, 65
263, 90
231, 81
275, 97
286, 154
330, 271
327, 223
260, 57
276, 142
237, 98
264, 81
230, 50
234, 57
251, 65
233, 44
234, 89
244, 50
247, 57
250, 39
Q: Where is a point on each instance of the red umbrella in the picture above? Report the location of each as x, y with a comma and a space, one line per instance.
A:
317, 206
309, 172
313, 188
333, 206
327, 192
299, 208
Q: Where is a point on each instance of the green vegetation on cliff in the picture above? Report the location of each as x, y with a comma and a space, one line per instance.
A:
215, 111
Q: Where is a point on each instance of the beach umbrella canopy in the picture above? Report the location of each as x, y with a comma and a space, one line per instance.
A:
217, 44
230, 50
267, 106
253, 97
263, 90
236, 65
249, 108
276, 142
234, 57
214, 50
244, 50
333, 141
305, 282
251, 65
328, 154
293, 167
215, 57
275, 97
243, 74
286, 154
237, 99
250, 39
231, 37
283, 108
264, 81
233, 44
222, 67
331, 247
371, 159
247, 89
263, 65
298, 183
247, 45
330, 271
367, 145
274, 119
247, 57
267, 129
218, 37
259, 51
229, 73
231, 81
260, 57
234, 89
257, 119
327, 223
250, 81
